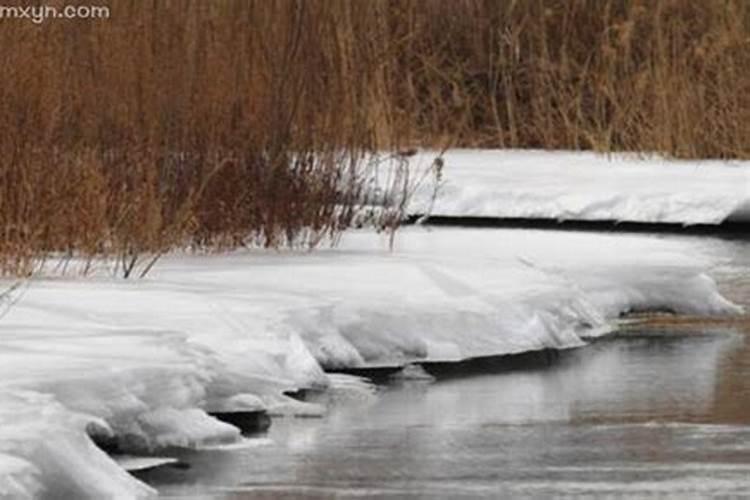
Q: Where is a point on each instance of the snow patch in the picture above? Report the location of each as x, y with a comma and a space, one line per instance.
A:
142, 362
35, 429
561, 185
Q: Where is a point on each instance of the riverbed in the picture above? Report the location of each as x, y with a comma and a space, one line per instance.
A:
654, 410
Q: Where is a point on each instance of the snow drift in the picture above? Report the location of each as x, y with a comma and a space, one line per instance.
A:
143, 363
581, 186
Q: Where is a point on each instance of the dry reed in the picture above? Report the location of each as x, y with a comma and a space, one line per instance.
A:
215, 124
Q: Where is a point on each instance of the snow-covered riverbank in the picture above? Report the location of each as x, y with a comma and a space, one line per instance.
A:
146, 360
583, 186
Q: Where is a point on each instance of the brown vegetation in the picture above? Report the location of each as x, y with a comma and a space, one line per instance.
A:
681, 323
218, 123
669, 76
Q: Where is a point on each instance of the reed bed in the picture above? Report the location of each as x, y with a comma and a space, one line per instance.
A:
217, 124
666, 76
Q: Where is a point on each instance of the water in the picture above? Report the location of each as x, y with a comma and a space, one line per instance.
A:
646, 413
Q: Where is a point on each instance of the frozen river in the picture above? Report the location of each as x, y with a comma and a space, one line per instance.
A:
647, 412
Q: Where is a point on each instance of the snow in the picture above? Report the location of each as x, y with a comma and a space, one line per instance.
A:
584, 186
44, 446
18, 479
133, 463
144, 362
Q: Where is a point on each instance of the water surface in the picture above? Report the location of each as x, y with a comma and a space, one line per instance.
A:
651, 412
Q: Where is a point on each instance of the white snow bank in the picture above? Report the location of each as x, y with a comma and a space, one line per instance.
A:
18, 478
453, 294
146, 360
44, 449
585, 186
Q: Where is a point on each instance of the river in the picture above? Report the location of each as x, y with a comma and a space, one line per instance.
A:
653, 411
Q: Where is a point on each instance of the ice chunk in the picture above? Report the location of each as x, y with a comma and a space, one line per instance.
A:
188, 428
132, 463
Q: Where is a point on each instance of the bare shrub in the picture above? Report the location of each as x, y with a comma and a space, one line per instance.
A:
187, 124
208, 125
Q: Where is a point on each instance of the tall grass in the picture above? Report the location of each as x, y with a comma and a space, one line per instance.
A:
669, 76
220, 123
177, 123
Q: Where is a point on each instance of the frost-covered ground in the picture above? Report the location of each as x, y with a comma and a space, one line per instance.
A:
147, 360
585, 186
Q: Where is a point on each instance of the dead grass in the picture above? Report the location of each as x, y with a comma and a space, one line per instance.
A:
671, 76
212, 124
688, 322
187, 123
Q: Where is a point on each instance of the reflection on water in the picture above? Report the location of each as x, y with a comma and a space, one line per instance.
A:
645, 413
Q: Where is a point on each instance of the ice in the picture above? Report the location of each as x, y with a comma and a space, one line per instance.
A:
238, 403
18, 478
244, 443
586, 186
351, 389
133, 463
144, 362
44, 448
504, 292
412, 373
190, 428
285, 406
